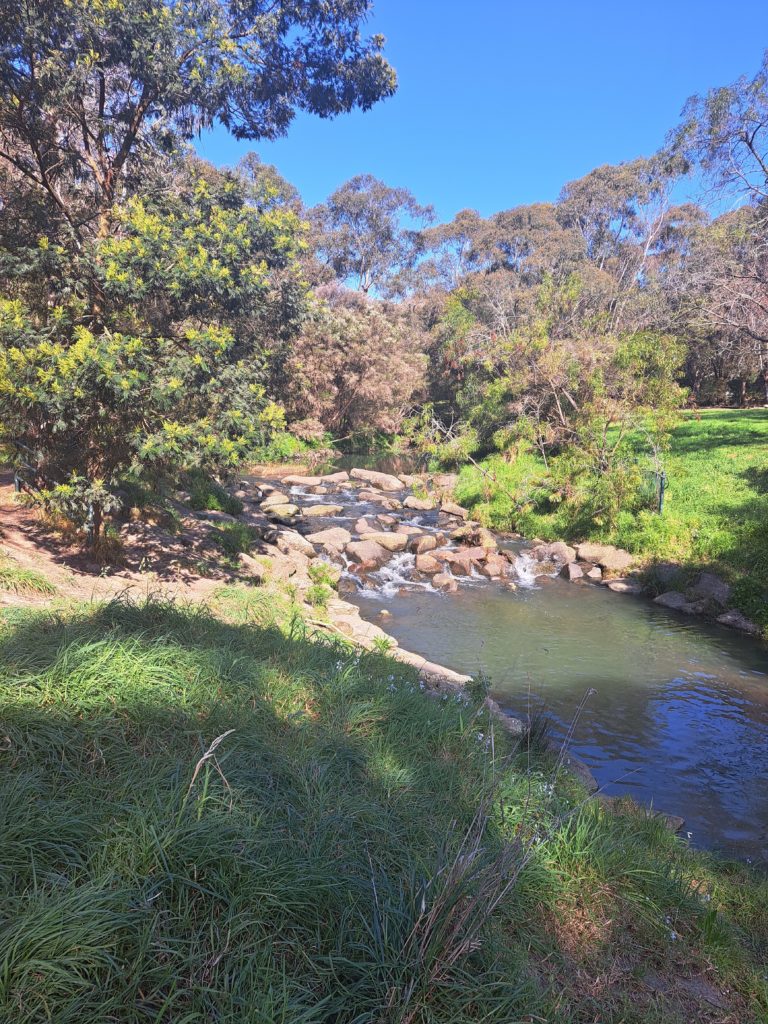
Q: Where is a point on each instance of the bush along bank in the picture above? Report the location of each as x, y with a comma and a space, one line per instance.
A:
210, 813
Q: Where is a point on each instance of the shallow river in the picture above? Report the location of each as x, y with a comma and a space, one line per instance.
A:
680, 716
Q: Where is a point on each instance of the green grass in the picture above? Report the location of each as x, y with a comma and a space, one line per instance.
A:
18, 580
206, 495
716, 509
208, 815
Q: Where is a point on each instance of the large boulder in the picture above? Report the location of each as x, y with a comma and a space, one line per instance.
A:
709, 587
336, 478
679, 602
288, 541
379, 498
384, 481
314, 511
605, 555
252, 567
407, 531
632, 587
474, 536
428, 564
460, 563
367, 553
283, 513
333, 540
364, 525
418, 504
495, 566
390, 541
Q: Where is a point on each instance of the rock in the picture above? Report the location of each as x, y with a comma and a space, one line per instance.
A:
679, 602
735, 620
381, 499
475, 536
419, 504
407, 531
594, 572
477, 553
302, 481
367, 553
450, 508
605, 555
442, 581
319, 490
333, 540
346, 586
314, 511
364, 525
581, 771
460, 563
428, 564
558, 552
421, 545
390, 541
386, 520
383, 481
495, 566
709, 587
252, 568
275, 498
445, 481
215, 517
281, 512
288, 541
336, 478
632, 587
572, 571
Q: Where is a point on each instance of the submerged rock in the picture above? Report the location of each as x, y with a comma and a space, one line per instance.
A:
633, 587
679, 602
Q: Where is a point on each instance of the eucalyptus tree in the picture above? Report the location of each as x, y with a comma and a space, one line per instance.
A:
370, 233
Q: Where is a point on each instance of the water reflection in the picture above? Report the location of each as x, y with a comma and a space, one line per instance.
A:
680, 716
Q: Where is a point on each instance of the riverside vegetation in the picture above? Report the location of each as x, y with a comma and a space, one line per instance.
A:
220, 810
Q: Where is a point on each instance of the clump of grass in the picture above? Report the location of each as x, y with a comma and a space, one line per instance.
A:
352, 849
206, 495
235, 538
318, 595
322, 573
18, 580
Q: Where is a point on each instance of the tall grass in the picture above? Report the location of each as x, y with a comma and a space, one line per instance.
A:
19, 580
210, 820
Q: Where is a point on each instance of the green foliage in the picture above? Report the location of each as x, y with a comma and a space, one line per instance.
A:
183, 814
235, 538
206, 495
18, 580
323, 573
318, 595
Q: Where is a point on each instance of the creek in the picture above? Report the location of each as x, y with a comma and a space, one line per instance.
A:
679, 714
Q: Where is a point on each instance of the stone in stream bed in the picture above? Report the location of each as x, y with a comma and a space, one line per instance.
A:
572, 571
558, 552
367, 554
384, 481
386, 520
495, 566
283, 512
735, 620
288, 540
450, 508
443, 581
364, 525
275, 498
421, 545
428, 565
335, 478
474, 536
418, 504
605, 555
678, 602
390, 541
318, 510
407, 531
379, 498
633, 587
296, 480
333, 540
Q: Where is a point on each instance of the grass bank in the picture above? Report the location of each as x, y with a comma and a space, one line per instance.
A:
208, 815
715, 513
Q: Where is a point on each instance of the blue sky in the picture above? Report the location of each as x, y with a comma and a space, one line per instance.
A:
500, 103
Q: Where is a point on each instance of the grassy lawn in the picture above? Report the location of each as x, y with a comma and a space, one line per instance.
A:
209, 816
715, 514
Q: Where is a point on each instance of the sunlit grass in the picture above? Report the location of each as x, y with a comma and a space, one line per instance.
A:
19, 580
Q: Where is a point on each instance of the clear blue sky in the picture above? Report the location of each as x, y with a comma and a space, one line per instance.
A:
500, 102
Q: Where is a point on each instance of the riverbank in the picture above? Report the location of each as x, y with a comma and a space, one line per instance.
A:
716, 504
240, 815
